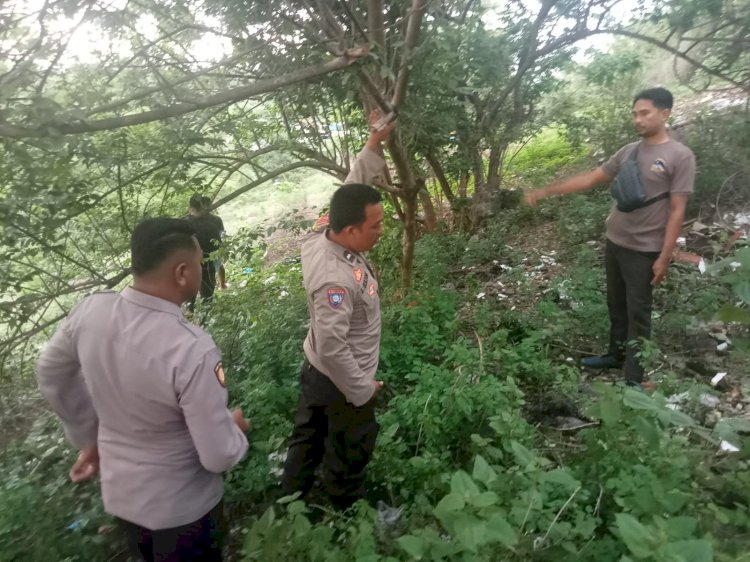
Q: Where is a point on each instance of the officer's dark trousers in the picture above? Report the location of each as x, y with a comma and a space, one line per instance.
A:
331, 432
199, 541
629, 299
208, 283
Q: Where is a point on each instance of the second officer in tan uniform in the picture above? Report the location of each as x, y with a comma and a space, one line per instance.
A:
140, 390
335, 422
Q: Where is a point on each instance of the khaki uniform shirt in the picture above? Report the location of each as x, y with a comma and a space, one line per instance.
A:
667, 167
128, 372
342, 296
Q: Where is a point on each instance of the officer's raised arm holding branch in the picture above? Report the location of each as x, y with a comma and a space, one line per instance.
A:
335, 422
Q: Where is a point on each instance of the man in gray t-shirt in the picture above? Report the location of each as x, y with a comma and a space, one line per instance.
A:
639, 242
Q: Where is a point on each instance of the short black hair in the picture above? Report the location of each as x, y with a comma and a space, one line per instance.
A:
348, 205
156, 239
660, 97
196, 202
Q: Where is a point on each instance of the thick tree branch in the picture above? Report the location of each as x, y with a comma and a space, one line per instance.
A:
230, 96
419, 7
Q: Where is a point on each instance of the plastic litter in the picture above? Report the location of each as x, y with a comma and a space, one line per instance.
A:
717, 378
388, 517
709, 400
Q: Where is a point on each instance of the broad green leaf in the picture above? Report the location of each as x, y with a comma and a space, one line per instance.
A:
524, 457
560, 476
638, 400
610, 410
730, 313
648, 430
681, 527
485, 499
680, 418
451, 502
696, 550
266, 521
414, 546
483, 472
640, 541
296, 507
743, 291
470, 532
461, 483
499, 530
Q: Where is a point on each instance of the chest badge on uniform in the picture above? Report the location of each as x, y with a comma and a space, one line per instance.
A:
219, 371
336, 296
371, 289
358, 274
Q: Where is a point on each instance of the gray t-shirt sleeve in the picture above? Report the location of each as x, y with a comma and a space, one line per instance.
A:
612, 166
333, 305
203, 398
683, 179
61, 382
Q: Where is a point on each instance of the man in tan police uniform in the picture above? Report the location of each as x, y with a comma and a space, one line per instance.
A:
335, 422
141, 392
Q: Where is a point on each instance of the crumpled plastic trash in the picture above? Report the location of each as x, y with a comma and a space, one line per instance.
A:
728, 447
388, 517
709, 400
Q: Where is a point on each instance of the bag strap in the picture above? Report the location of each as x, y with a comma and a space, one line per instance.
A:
659, 197
634, 153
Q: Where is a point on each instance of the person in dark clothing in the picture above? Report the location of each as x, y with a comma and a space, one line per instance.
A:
208, 233
221, 273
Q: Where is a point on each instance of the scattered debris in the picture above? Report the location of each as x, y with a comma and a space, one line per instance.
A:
709, 400
388, 517
717, 379
728, 447
569, 423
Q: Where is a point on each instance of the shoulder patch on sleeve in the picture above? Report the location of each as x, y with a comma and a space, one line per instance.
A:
219, 372
336, 296
321, 224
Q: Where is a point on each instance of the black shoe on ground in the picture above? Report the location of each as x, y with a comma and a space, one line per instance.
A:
602, 362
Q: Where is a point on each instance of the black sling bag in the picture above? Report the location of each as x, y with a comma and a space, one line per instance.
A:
628, 189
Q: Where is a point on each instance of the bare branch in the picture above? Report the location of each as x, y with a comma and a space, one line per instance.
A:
419, 7
230, 96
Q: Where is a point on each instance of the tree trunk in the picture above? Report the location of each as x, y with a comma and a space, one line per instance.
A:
463, 184
409, 239
493, 173
437, 169
430, 216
